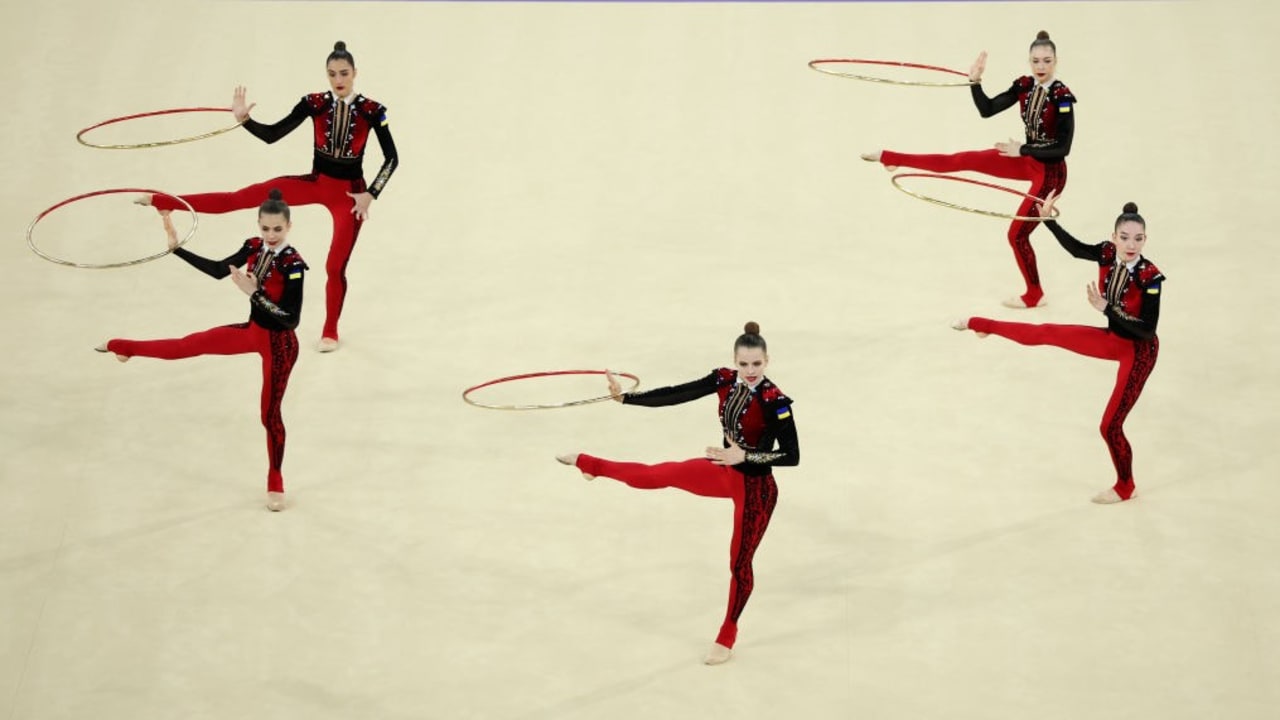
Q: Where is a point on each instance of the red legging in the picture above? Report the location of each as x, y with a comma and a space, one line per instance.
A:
279, 351
297, 190
1044, 177
1137, 359
753, 502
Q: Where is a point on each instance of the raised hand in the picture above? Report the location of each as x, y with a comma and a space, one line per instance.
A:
171, 234
1044, 208
238, 107
247, 283
615, 390
1096, 299
979, 66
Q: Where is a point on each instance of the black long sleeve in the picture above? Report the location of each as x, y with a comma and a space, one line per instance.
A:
1060, 146
216, 269
674, 394
390, 160
998, 104
1142, 327
1077, 249
283, 314
271, 133
788, 452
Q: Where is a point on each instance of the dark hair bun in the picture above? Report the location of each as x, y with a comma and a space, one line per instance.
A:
275, 194
751, 328
1042, 35
339, 46
1131, 208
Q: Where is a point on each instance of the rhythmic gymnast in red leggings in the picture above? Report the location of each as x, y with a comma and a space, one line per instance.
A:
342, 121
270, 272
1128, 293
1046, 105
754, 416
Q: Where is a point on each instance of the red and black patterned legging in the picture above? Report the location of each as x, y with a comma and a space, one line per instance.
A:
279, 351
1044, 177
1137, 359
297, 190
753, 501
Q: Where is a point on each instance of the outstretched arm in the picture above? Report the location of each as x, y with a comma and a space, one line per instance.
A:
1078, 249
267, 133
671, 395
216, 269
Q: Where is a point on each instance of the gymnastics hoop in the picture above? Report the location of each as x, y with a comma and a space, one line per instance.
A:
31, 243
155, 113
976, 211
551, 406
820, 66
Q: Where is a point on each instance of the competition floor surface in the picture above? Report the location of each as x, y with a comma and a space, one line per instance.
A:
590, 185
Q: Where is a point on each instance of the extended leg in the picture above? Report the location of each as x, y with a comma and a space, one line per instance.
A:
297, 190
225, 340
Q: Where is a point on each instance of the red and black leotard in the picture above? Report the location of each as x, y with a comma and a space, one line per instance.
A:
1132, 293
1046, 114
1133, 311
274, 311
756, 418
277, 305
341, 132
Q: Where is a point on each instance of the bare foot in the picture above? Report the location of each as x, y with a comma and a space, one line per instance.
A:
572, 459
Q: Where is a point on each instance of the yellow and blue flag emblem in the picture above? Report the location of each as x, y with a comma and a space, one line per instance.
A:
784, 412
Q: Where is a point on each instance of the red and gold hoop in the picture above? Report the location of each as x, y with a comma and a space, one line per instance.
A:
31, 243
155, 113
466, 394
850, 68
977, 211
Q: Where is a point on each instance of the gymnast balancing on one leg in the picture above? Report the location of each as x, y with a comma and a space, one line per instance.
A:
754, 415
342, 120
1130, 298
270, 272
1046, 106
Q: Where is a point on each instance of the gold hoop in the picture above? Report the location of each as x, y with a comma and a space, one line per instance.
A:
155, 113
635, 383
819, 65
195, 222
976, 211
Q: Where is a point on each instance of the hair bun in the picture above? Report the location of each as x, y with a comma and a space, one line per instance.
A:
1042, 35
275, 194
342, 47
751, 328
1131, 208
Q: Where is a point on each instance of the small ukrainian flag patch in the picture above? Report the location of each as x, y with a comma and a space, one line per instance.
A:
784, 412
296, 275
1153, 290
1062, 108
383, 120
